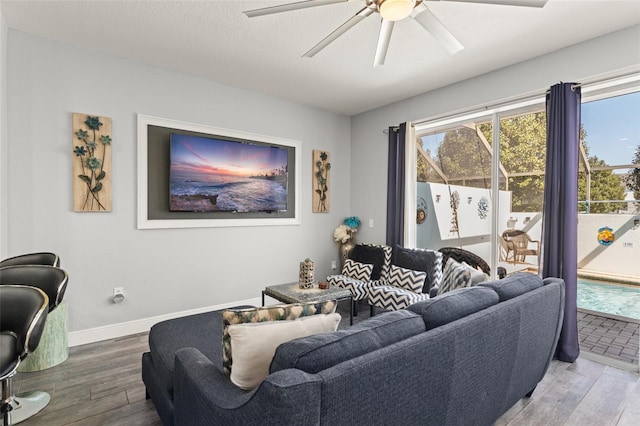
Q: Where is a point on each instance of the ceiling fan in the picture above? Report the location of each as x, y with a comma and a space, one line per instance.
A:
390, 11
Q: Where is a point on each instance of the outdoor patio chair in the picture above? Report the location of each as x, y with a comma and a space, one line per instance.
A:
518, 243
471, 259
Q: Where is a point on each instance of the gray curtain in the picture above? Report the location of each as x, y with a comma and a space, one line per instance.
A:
560, 211
395, 186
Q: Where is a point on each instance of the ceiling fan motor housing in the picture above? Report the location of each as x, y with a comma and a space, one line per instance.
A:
395, 10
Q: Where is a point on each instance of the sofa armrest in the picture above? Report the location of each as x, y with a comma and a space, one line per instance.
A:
204, 395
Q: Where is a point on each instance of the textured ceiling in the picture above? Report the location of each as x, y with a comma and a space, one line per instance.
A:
214, 40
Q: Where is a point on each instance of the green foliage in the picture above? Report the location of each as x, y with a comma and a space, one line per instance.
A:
605, 185
464, 159
462, 154
633, 179
523, 147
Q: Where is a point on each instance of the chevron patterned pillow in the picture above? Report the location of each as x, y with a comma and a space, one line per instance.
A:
406, 278
455, 275
357, 270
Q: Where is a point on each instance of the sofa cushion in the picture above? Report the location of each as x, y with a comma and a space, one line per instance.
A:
316, 353
372, 254
357, 270
407, 279
454, 276
268, 313
514, 285
454, 305
426, 260
255, 343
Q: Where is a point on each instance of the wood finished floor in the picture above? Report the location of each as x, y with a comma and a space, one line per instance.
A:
100, 384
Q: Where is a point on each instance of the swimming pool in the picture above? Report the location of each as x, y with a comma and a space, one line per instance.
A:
609, 298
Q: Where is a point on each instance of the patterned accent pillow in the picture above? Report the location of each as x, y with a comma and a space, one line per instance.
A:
267, 313
406, 278
417, 259
454, 276
357, 270
379, 255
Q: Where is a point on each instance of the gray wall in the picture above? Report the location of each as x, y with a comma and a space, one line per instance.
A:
3, 136
609, 55
162, 271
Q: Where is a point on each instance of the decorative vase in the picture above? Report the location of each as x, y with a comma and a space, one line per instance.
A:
305, 277
345, 250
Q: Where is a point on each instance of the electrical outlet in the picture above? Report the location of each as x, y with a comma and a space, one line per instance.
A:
334, 265
118, 295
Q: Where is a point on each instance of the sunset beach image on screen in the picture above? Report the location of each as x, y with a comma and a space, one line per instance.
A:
210, 175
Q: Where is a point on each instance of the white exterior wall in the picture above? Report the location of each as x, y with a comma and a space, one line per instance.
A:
622, 257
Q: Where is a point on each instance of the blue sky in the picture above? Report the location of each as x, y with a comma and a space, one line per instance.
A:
201, 155
613, 128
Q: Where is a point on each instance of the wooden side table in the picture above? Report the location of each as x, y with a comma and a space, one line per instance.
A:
292, 293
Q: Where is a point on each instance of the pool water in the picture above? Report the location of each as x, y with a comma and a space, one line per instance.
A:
622, 300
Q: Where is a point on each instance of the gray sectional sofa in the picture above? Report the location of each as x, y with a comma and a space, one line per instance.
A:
462, 358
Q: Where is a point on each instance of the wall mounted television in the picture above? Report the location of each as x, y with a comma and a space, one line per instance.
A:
217, 177
209, 174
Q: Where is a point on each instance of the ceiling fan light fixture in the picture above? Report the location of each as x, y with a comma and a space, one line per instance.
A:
396, 10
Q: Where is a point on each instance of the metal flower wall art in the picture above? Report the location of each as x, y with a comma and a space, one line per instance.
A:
321, 167
91, 163
483, 208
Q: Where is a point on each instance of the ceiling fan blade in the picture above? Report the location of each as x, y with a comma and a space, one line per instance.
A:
339, 31
525, 3
383, 42
289, 6
436, 28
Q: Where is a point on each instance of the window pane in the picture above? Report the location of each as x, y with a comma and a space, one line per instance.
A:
454, 190
612, 128
523, 148
611, 142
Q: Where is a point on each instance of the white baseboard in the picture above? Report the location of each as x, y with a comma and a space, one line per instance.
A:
91, 335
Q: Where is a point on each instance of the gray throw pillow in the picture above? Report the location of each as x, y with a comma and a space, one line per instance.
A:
454, 276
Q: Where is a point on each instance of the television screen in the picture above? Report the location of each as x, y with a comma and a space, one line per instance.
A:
209, 175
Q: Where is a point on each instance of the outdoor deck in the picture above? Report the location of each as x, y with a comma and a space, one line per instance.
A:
610, 336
